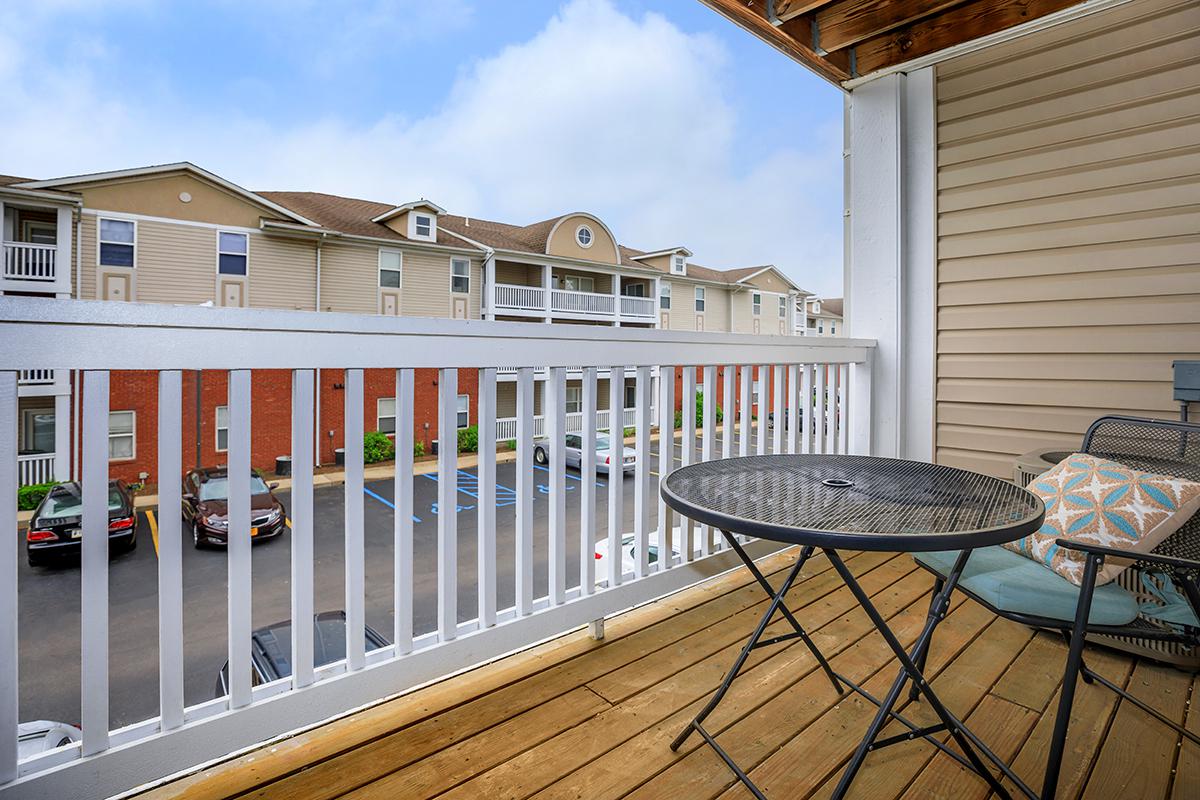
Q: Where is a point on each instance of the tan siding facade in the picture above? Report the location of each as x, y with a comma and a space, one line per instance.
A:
350, 278
1068, 220
283, 273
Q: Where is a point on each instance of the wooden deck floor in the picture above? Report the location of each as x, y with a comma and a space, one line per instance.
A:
581, 719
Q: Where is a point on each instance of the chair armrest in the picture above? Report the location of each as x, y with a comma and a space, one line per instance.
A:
1153, 558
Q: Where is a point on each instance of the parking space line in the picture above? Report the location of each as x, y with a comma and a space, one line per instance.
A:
386, 502
569, 475
153, 529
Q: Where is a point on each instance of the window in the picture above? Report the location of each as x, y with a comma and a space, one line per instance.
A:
756, 303
782, 307
678, 265
460, 275
423, 226
38, 232
583, 235
120, 435
578, 283
390, 262
832, 327
222, 428
232, 250
699, 298
117, 243
38, 430
664, 297
630, 396
575, 440
634, 290
385, 415
464, 411
574, 399
820, 326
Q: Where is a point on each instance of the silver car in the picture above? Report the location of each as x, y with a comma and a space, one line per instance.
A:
574, 453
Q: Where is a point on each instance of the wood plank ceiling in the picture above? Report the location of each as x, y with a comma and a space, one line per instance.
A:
845, 39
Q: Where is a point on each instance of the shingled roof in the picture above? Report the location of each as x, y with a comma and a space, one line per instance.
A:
347, 214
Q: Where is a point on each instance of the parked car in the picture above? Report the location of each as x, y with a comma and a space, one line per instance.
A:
271, 648
41, 735
629, 554
574, 453
206, 507
55, 528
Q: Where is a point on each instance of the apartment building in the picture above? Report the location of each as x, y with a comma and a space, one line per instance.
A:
824, 316
178, 234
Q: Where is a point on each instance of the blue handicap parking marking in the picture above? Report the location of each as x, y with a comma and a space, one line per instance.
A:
570, 475
433, 508
386, 502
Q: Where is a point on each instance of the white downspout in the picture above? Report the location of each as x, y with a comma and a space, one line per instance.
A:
77, 418
317, 388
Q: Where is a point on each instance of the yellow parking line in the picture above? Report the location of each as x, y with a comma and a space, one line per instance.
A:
153, 528
287, 522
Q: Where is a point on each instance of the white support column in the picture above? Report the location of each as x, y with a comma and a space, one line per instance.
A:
547, 289
890, 270
793, 297
489, 287
65, 229
62, 433
616, 290
657, 310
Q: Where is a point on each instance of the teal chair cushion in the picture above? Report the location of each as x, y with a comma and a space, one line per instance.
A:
1010, 582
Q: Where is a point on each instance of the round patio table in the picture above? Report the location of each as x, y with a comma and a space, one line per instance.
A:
835, 502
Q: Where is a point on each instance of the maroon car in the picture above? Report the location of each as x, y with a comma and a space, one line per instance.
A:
206, 507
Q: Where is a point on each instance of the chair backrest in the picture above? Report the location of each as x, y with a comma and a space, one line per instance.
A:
1153, 445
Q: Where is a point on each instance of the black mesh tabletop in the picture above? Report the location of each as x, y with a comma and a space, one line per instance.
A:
856, 502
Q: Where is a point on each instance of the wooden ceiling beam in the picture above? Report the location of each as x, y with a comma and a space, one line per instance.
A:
961, 24
793, 38
790, 9
848, 22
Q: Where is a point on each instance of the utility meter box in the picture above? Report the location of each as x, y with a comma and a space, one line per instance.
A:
1187, 381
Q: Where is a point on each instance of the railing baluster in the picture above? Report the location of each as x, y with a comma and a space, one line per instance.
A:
642, 498
819, 415
587, 503
486, 514
616, 472
447, 549
402, 528
355, 561
745, 429
556, 418
708, 416
843, 409
666, 463
9, 688
170, 549
806, 408
763, 411
687, 421
523, 566
831, 409
238, 540
728, 414
302, 526
94, 558
778, 410
793, 408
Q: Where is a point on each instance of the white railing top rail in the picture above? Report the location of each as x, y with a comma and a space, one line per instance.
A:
98, 334
29, 245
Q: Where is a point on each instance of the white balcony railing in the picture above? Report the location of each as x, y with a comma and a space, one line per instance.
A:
170, 340
519, 298
35, 468
637, 307
506, 427
35, 377
570, 302
24, 261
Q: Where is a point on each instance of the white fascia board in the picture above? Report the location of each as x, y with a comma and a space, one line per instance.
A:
670, 251
415, 204
38, 194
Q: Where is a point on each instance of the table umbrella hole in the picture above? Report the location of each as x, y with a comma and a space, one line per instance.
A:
838, 483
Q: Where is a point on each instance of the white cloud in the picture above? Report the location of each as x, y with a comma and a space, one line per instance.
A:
625, 117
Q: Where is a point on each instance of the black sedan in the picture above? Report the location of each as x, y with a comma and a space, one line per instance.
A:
206, 507
271, 648
56, 527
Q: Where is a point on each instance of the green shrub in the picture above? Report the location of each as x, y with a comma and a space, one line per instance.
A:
720, 415
418, 449
377, 447
468, 439
28, 497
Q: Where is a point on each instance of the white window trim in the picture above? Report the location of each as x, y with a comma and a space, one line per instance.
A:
100, 241
27, 431
664, 291
457, 411
132, 435
412, 226
700, 300
466, 277
380, 416
581, 280
573, 396
217, 430
379, 272
678, 265
756, 303
591, 236
217, 261
28, 226
783, 304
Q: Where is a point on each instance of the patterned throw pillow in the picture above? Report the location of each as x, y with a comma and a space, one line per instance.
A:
1108, 504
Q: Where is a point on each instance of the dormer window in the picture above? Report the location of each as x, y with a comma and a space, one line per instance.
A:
584, 235
422, 226
678, 265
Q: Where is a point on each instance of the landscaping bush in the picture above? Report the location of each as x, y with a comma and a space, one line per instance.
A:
720, 415
377, 447
468, 439
28, 497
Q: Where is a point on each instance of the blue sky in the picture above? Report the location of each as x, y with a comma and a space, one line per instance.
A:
670, 123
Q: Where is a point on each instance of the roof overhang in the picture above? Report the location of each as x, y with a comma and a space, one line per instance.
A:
849, 42
162, 169
668, 252
41, 195
745, 281
398, 210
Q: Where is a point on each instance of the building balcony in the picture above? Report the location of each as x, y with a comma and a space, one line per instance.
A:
42, 383
30, 267
532, 301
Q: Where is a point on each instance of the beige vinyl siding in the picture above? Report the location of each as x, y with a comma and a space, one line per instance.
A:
1068, 230
350, 278
85, 280
516, 274
426, 290
283, 273
174, 263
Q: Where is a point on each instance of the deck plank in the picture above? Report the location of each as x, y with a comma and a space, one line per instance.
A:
1187, 769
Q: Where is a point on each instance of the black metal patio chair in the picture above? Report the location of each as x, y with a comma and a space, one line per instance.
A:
1152, 609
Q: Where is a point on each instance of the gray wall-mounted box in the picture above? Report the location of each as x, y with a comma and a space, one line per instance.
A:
1187, 381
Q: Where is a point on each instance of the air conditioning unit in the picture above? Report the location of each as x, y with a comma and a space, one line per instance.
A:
1029, 465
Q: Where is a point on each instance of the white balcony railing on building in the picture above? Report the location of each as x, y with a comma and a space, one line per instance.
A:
33, 468
24, 261
35, 377
802, 381
521, 298
507, 427
570, 302
637, 307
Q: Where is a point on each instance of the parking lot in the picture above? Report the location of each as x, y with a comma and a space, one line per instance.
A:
49, 596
